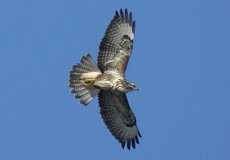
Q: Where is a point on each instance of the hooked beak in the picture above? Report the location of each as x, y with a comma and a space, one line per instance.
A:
136, 89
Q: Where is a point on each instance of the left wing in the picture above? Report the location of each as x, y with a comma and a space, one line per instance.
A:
117, 43
119, 118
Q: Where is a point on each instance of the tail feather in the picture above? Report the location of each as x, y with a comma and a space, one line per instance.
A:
82, 78
88, 63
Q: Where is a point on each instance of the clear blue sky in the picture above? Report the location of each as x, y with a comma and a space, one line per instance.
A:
180, 61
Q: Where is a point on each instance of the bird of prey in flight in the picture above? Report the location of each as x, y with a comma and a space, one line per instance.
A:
107, 79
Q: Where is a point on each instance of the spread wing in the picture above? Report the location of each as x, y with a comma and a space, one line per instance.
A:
119, 118
117, 43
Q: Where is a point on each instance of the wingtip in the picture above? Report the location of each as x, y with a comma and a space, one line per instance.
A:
139, 134
126, 15
122, 13
123, 145
134, 26
130, 18
133, 144
137, 140
128, 144
116, 14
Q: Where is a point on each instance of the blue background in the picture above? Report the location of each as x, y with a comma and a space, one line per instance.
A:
180, 62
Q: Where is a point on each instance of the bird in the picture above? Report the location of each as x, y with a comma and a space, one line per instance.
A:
106, 78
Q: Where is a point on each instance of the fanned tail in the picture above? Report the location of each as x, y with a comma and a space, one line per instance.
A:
82, 78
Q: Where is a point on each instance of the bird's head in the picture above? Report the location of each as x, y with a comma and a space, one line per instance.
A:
133, 87
125, 86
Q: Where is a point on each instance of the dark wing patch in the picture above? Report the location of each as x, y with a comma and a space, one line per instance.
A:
119, 118
117, 43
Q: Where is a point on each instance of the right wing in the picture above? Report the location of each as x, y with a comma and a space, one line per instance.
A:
119, 118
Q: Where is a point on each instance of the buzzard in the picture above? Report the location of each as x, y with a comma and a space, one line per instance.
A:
107, 79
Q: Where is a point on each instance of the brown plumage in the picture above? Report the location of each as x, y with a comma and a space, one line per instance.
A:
107, 79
